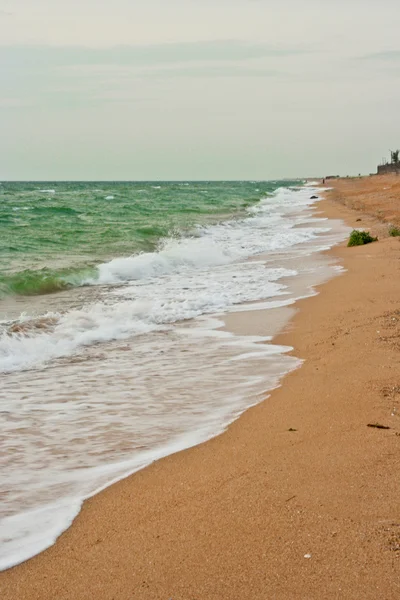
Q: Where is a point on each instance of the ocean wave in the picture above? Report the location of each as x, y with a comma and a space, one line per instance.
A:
31, 282
67, 210
136, 310
266, 228
185, 279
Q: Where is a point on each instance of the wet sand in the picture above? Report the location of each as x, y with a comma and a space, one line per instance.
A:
299, 498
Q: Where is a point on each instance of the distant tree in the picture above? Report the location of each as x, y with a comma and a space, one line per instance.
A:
394, 155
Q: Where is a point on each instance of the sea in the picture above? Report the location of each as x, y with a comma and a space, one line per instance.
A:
115, 344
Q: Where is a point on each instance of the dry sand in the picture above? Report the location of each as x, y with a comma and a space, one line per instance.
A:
377, 196
263, 512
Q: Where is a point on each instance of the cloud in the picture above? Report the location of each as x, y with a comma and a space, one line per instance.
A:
77, 89
71, 77
212, 71
390, 55
143, 55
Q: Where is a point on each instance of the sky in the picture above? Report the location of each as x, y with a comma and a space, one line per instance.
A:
189, 89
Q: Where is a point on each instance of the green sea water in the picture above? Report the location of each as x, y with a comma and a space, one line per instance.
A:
52, 235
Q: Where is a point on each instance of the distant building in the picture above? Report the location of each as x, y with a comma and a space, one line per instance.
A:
388, 168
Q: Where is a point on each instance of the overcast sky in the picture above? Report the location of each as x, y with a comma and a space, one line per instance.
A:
197, 89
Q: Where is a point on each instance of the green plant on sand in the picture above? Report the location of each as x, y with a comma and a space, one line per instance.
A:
394, 231
359, 238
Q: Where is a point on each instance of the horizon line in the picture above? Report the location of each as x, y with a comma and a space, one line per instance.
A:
154, 180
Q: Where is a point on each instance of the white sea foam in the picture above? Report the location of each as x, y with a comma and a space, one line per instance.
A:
142, 309
109, 197
99, 419
269, 228
81, 409
26, 534
47, 191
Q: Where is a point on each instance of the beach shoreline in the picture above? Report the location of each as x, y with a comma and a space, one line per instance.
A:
297, 499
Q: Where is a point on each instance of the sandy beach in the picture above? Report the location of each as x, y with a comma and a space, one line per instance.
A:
299, 498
